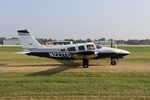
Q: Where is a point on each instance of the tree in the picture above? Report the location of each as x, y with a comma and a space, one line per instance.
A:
89, 40
102, 39
133, 42
1, 39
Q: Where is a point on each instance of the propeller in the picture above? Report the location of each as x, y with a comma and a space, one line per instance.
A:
113, 42
111, 45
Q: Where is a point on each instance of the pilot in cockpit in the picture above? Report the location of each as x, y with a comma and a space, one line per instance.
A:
90, 47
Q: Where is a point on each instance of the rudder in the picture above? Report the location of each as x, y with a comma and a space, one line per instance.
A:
27, 40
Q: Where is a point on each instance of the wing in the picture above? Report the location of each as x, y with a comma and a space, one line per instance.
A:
85, 54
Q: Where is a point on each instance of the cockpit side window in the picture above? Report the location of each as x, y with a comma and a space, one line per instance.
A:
81, 47
98, 46
90, 47
71, 49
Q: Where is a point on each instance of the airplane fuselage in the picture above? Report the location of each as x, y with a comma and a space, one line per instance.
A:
65, 53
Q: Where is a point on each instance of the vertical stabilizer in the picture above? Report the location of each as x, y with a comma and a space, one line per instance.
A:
27, 40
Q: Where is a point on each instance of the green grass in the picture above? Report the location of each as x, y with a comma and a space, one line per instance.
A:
139, 54
58, 84
97, 84
75, 84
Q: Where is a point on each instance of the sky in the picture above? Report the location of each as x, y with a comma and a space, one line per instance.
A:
76, 19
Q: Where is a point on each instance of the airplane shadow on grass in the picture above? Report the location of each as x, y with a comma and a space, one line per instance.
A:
3, 64
51, 71
58, 69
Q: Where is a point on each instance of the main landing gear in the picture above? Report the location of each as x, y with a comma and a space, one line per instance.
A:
113, 62
85, 63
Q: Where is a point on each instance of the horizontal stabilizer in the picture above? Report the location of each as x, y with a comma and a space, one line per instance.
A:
24, 52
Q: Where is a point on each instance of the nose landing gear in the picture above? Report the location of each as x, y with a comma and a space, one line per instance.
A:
113, 62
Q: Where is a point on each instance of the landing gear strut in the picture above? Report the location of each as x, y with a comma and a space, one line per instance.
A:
113, 62
85, 63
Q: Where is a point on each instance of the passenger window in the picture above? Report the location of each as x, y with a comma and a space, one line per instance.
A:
62, 50
90, 47
81, 47
71, 49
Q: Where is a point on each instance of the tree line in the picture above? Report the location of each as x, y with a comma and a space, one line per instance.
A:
118, 42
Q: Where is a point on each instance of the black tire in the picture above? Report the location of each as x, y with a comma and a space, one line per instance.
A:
113, 62
85, 66
85, 63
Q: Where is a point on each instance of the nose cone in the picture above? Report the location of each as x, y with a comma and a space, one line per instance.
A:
123, 52
126, 52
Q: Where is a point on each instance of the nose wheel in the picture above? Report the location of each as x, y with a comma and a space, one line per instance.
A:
113, 62
85, 63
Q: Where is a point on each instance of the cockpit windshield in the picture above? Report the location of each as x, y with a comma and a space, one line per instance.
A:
90, 47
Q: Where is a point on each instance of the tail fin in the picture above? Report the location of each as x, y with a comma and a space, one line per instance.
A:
28, 41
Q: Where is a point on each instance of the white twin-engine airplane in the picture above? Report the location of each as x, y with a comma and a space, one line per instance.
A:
80, 51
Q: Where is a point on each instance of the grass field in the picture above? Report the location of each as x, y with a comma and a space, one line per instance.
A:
27, 77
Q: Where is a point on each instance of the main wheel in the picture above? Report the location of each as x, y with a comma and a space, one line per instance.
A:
85, 63
113, 62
